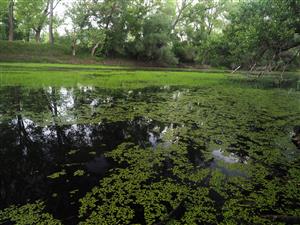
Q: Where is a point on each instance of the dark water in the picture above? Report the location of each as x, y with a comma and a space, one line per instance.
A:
33, 151
53, 140
30, 153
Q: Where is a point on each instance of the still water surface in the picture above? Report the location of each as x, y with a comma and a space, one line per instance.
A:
53, 140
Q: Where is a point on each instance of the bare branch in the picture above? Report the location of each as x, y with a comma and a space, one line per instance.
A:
184, 5
56, 4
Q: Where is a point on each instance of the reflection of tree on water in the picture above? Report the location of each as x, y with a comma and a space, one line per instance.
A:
52, 105
21, 177
39, 132
28, 152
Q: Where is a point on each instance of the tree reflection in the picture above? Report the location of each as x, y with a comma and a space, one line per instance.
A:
40, 135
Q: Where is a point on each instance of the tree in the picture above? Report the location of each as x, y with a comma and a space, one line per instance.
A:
137, 13
51, 36
110, 17
246, 33
52, 5
182, 6
78, 14
11, 20
3, 18
149, 38
262, 31
96, 40
7, 11
33, 15
200, 20
9, 25
157, 40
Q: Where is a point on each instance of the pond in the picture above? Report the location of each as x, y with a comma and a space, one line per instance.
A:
112, 146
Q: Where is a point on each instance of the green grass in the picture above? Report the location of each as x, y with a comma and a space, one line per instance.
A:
19, 51
37, 75
33, 48
68, 75
14, 66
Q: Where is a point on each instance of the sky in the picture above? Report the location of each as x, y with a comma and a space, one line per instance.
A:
61, 7
60, 10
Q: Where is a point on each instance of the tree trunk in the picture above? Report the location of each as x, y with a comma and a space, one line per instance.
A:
74, 46
51, 36
38, 35
41, 23
11, 20
27, 37
95, 48
108, 21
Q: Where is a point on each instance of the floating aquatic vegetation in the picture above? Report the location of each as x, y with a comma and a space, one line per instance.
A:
79, 173
73, 152
180, 149
57, 174
28, 214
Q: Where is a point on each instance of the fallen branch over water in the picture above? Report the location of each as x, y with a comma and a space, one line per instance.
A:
283, 218
236, 69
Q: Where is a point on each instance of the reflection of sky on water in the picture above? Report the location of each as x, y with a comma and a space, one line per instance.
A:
223, 160
85, 88
66, 103
165, 135
218, 154
44, 130
153, 139
51, 146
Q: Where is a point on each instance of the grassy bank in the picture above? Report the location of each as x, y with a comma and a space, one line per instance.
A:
67, 75
19, 51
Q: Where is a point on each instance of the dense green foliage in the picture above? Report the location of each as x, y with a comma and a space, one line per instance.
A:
253, 34
264, 30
